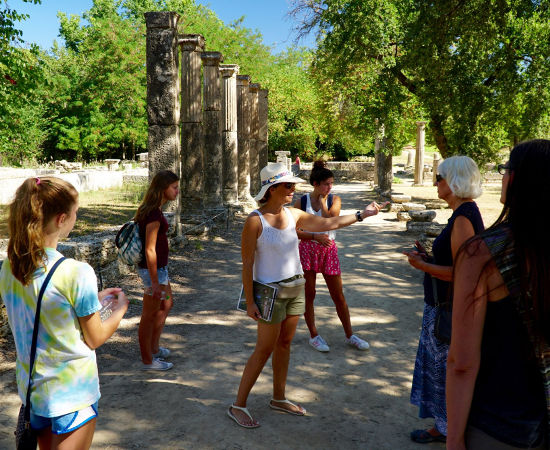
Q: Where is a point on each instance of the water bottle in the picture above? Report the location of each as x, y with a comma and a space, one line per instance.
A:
107, 305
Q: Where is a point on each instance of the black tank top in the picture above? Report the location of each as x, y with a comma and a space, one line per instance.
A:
509, 400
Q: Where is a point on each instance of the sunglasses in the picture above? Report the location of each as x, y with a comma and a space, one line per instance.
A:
288, 185
502, 168
438, 178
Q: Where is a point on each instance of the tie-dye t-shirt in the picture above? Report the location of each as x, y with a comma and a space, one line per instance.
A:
65, 375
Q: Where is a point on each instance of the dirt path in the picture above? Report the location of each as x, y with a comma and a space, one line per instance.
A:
354, 399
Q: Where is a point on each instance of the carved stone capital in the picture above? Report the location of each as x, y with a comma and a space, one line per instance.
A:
191, 42
211, 58
229, 70
243, 80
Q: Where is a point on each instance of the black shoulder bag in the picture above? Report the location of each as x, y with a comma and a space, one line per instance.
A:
443, 316
25, 436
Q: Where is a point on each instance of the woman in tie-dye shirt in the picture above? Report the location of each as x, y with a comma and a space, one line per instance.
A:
65, 384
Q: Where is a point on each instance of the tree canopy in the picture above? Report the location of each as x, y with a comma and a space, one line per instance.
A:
477, 71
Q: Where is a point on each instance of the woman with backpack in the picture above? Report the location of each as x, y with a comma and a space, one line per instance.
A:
319, 254
63, 385
153, 269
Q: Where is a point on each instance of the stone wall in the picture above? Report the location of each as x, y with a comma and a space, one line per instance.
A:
344, 170
87, 180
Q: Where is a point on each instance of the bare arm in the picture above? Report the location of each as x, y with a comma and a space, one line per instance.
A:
461, 232
151, 233
310, 236
97, 332
251, 231
315, 223
469, 310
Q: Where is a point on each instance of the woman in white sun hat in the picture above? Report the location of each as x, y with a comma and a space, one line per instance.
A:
269, 249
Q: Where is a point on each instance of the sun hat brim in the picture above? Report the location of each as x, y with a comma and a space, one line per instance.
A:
285, 179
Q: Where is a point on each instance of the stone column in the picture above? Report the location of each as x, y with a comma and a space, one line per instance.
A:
163, 86
254, 125
263, 132
192, 142
435, 165
213, 144
283, 157
243, 132
230, 159
419, 160
410, 158
380, 133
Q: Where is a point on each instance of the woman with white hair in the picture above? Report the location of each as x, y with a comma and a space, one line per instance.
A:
269, 249
458, 183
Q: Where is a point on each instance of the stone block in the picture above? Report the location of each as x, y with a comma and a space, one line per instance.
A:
400, 198
403, 216
427, 215
413, 206
434, 229
418, 227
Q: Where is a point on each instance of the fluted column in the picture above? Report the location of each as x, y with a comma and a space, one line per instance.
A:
213, 144
163, 86
230, 159
253, 90
419, 161
192, 141
263, 133
243, 132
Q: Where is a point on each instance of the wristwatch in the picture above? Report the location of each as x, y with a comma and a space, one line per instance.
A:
358, 216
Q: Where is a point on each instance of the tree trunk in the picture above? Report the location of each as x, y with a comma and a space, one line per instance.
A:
439, 136
384, 170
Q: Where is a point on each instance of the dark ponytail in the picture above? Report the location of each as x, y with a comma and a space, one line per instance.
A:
320, 172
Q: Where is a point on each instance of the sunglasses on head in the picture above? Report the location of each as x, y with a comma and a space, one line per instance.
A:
438, 178
502, 168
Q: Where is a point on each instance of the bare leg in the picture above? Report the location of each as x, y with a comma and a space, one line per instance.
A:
160, 318
266, 339
309, 315
149, 315
45, 439
334, 285
280, 360
80, 438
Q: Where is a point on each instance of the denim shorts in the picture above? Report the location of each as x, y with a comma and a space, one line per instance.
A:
65, 423
162, 274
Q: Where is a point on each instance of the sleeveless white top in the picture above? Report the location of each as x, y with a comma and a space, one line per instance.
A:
277, 257
310, 210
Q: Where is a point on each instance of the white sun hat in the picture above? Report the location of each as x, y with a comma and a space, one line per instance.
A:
273, 174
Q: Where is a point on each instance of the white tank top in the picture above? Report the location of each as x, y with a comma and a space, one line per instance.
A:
310, 210
277, 257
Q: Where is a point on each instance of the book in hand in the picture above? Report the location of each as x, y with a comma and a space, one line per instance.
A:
264, 297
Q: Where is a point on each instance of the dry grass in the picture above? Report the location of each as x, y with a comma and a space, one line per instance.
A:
98, 210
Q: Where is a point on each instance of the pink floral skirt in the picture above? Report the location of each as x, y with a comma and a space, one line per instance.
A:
319, 258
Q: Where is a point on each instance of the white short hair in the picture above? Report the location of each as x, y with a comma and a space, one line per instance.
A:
462, 175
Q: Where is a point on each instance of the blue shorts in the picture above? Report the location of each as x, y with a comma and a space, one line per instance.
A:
66, 423
162, 274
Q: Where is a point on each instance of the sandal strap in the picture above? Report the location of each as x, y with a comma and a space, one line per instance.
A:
284, 401
243, 409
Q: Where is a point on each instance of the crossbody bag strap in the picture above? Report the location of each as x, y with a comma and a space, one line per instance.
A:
35, 335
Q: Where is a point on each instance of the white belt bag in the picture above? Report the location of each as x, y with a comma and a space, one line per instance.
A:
291, 287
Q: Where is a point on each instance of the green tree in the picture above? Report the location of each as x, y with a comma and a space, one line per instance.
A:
468, 64
98, 103
21, 122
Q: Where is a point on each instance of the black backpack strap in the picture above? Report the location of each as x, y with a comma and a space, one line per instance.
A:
35, 334
303, 202
329, 201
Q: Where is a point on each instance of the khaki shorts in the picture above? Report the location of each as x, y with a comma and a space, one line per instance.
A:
284, 307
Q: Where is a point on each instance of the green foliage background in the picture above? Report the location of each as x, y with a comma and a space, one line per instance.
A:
476, 71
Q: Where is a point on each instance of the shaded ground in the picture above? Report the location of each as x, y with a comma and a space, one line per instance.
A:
354, 399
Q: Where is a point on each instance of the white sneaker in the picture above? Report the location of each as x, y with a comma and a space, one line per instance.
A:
359, 343
318, 343
157, 364
162, 353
